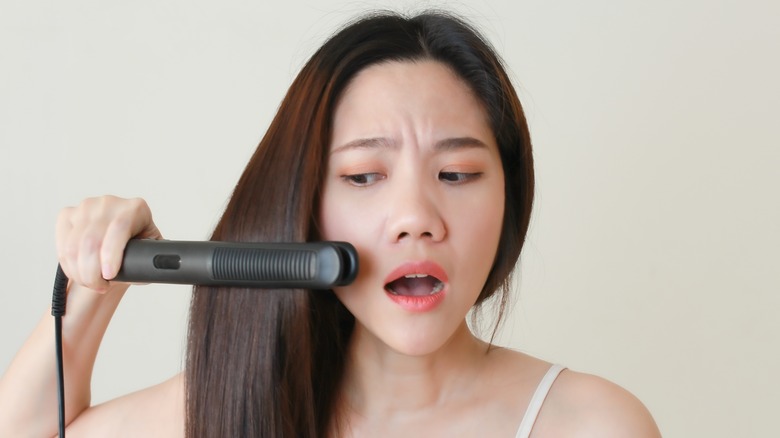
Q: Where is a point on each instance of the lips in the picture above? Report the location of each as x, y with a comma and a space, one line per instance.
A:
416, 279
415, 285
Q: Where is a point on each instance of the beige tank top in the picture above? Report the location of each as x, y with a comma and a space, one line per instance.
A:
529, 419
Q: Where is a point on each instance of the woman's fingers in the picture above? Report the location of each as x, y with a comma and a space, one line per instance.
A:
134, 221
89, 260
91, 237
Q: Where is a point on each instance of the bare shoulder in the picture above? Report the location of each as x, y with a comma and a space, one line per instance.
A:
151, 412
578, 404
583, 405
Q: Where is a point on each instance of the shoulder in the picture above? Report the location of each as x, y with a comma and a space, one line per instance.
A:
154, 411
583, 405
577, 405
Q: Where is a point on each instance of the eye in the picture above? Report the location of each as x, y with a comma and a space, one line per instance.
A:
458, 177
363, 179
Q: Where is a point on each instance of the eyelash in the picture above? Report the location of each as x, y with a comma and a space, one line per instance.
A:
360, 179
459, 177
367, 179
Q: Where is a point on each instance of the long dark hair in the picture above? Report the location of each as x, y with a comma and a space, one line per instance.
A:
269, 363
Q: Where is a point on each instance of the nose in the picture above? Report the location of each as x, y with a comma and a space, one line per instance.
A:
414, 215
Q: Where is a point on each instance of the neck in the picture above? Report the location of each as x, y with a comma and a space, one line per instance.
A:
383, 382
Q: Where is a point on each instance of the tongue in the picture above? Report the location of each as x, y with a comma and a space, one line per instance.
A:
413, 286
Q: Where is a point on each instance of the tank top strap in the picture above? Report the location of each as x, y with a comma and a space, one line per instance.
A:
529, 419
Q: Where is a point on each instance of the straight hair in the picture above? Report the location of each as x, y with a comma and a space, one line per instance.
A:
269, 363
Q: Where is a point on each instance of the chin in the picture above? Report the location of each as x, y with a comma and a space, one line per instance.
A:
425, 347
417, 341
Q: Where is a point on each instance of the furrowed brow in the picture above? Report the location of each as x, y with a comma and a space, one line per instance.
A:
449, 144
366, 143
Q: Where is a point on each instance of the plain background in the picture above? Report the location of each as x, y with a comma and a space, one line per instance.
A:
652, 258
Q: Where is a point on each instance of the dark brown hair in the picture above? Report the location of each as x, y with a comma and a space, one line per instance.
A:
270, 362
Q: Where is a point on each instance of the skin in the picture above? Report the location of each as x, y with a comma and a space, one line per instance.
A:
428, 186
398, 199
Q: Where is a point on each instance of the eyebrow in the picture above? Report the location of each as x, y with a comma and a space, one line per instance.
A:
366, 143
447, 144
459, 143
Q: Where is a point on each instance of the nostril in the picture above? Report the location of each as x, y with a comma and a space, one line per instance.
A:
424, 234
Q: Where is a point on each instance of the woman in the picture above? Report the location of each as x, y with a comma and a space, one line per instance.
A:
404, 137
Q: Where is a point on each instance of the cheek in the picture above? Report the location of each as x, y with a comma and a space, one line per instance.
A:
339, 220
346, 220
327, 217
481, 232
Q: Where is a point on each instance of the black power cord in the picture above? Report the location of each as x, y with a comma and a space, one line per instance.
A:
58, 311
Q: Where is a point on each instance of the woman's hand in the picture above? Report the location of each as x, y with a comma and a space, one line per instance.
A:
91, 237
90, 244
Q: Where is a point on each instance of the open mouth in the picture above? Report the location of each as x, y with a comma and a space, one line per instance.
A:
415, 285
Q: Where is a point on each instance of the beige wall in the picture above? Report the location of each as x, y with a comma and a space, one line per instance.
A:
653, 255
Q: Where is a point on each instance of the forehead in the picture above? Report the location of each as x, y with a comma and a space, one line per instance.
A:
400, 98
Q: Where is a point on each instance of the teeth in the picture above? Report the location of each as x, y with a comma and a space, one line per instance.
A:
437, 287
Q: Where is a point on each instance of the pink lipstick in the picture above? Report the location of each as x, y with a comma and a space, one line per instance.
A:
417, 286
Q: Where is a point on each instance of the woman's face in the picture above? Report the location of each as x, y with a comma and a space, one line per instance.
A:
415, 183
